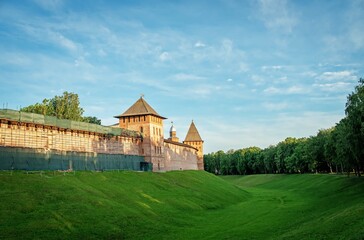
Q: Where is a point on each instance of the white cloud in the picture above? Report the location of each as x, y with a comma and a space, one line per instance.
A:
287, 90
267, 68
282, 79
199, 45
164, 56
272, 90
64, 42
50, 5
101, 53
201, 91
229, 80
296, 90
356, 36
243, 67
187, 77
275, 106
334, 87
277, 15
310, 74
18, 59
82, 62
227, 46
356, 23
352, 38
46, 32
337, 76
258, 80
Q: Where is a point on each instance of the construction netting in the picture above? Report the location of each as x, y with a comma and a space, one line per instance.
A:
34, 118
12, 158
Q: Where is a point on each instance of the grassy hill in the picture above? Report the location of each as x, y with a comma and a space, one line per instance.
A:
179, 205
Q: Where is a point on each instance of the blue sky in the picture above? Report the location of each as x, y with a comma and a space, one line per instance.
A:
249, 73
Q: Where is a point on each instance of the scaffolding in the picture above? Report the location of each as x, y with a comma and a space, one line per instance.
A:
30, 141
34, 118
14, 158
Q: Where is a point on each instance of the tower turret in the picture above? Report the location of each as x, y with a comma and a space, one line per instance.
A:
143, 118
194, 139
173, 134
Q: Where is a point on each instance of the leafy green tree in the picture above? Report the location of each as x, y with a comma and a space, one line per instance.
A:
93, 120
355, 124
242, 165
252, 158
340, 148
268, 156
66, 106
284, 150
331, 151
208, 162
343, 154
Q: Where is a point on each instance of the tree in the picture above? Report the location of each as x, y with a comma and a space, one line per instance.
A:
343, 155
66, 106
355, 124
93, 120
339, 149
268, 156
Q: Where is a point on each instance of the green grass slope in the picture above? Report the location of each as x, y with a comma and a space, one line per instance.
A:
179, 205
302, 206
112, 205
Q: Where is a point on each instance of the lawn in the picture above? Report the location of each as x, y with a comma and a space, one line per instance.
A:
179, 205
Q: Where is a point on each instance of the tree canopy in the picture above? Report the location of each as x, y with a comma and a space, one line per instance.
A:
338, 149
66, 106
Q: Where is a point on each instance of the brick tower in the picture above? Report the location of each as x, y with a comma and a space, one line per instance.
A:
193, 139
143, 118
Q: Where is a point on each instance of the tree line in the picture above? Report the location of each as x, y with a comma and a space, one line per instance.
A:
338, 149
66, 106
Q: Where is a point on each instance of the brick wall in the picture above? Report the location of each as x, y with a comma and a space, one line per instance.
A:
28, 135
179, 157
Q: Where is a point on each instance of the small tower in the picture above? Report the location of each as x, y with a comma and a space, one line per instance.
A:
173, 134
143, 118
194, 139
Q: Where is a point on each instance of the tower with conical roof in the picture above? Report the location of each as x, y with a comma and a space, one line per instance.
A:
194, 139
143, 118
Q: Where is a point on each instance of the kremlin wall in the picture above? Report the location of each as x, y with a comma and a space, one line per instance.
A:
31, 141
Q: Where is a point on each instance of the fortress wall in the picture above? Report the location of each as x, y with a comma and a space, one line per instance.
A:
34, 159
178, 157
29, 135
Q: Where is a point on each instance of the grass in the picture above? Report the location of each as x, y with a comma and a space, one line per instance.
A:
179, 205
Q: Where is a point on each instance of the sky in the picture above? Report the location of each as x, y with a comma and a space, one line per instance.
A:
248, 73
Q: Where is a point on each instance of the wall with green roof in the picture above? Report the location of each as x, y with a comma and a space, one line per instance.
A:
34, 118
